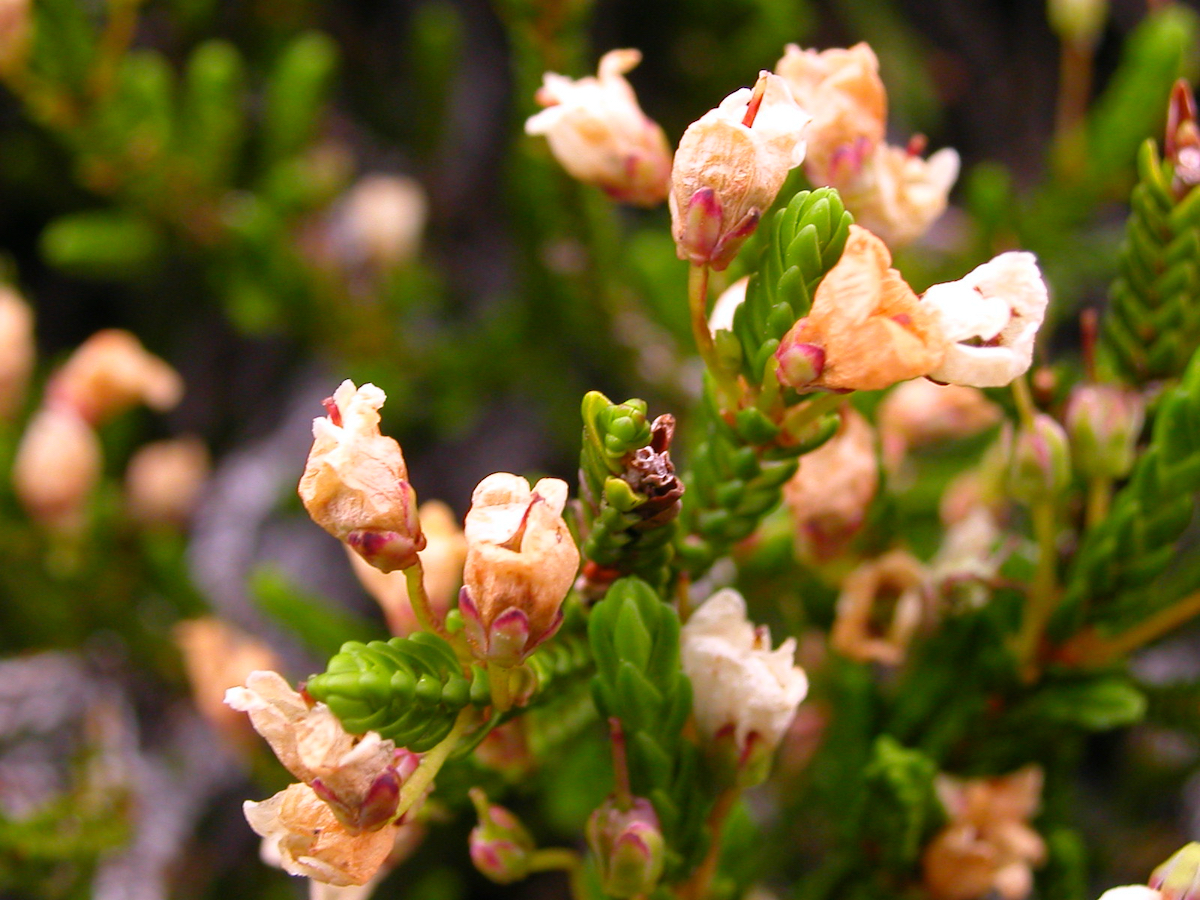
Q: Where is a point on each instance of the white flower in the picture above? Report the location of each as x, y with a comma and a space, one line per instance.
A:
600, 135
1131, 892
721, 318
738, 681
730, 165
1000, 307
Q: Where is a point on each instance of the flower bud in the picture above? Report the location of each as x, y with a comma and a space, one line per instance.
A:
355, 484
599, 134
729, 166
16, 340
57, 465
109, 373
521, 561
500, 845
1182, 147
164, 479
800, 364
628, 847
1179, 877
1040, 466
1077, 21
1104, 422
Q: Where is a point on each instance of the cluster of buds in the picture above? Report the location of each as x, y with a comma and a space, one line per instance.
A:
599, 134
355, 484
745, 694
521, 561
59, 458
867, 328
892, 191
339, 824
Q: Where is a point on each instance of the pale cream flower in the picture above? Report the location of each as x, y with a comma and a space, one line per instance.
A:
442, 561
109, 373
17, 350
829, 495
730, 165
919, 413
57, 465
891, 589
521, 561
1132, 892
599, 134
309, 840
842, 91
988, 844
379, 222
355, 484
991, 318
895, 193
216, 657
739, 684
721, 317
969, 557
164, 480
866, 329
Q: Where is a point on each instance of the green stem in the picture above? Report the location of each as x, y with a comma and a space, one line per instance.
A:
431, 764
418, 598
696, 887
502, 699
800, 417
561, 858
1024, 400
1098, 499
1043, 592
727, 390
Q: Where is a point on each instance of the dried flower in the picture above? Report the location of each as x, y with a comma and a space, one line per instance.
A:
988, 844
358, 776
378, 224
742, 689
968, 558
893, 191
600, 135
521, 561
866, 322
729, 166
355, 484
58, 462
16, 342
442, 562
918, 413
829, 495
991, 318
109, 373
216, 657
842, 91
164, 479
890, 589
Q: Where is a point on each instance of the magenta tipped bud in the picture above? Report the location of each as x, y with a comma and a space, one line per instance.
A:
701, 230
500, 845
1104, 422
800, 364
1179, 877
628, 846
1041, 461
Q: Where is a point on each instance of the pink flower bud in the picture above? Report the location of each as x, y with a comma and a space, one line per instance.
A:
800, 364
500, 845
355, 484
628, 846
1104, 422
1040, 466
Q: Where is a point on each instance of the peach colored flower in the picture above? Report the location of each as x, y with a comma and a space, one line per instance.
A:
866, 327
378, 224
988, 844
891, 589
164, 479
599, 134
829, 495
442, 561
57, 465
918, 413
355, 484
109, 373
521, 561
842, 91
17, 350
729, 166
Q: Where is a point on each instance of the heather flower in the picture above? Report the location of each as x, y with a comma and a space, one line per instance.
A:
919, 413
890, 589
991, 319
521, 561
866, 326
729, 166
378, 224
16, 344
741, 688
57, 465
355, 484
600, 135
109, 373
164, 479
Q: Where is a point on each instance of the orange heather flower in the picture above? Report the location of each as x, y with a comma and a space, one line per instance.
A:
866, 330
58, 463
109, 373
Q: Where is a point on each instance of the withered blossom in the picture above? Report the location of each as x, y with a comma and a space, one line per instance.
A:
521, 561
729, 166
881, 605
866, 329
109, 373
57, 465
164, 479
355, 484
599, 134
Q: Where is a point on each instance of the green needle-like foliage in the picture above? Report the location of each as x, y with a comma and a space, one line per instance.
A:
640, 681
1153, 322
902, 807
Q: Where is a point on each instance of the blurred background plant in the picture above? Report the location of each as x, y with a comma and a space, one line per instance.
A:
275, 195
